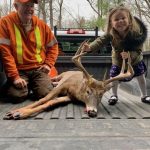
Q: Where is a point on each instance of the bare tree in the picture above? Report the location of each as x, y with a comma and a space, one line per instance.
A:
51, 12
42, 10
4, 8
143, 9
101, 8
60, 4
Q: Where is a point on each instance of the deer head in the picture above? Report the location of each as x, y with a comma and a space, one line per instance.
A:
93, 89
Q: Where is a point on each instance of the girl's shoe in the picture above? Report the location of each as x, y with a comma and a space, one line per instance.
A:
113, 100
146, 99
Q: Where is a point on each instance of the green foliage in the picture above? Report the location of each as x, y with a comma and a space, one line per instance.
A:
89, 24
101, 23
102, 7
94, 22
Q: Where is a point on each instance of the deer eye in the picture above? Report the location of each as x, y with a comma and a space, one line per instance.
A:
88, 92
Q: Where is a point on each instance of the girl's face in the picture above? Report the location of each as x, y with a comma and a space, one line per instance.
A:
119, 21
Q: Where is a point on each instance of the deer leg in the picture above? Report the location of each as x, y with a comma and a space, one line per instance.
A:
52, 94
26, 109
26, 112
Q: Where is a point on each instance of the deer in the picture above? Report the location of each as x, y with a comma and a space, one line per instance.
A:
73, 85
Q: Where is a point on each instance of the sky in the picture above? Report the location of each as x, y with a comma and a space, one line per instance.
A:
79, 7
76, 7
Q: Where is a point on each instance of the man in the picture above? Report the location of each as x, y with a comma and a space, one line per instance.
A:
29, 50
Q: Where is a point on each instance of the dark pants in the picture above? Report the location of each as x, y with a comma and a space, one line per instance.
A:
139, 69
37, 81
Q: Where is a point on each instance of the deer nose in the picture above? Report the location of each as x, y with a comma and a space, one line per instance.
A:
92, 113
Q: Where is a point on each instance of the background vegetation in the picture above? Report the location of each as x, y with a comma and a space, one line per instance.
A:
53, 12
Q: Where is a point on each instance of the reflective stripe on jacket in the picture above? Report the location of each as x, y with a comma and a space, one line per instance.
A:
19, 45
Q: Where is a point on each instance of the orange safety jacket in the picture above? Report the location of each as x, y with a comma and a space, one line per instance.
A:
25, 51
53, 72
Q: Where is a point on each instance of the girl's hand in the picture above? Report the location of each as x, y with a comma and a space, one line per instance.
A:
86, 47
124, 55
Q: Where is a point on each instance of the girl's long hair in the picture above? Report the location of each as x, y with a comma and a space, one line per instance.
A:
133, 26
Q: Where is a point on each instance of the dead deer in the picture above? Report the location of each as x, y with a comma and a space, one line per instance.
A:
79, 85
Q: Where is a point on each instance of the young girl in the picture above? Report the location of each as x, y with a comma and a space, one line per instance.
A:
125, 33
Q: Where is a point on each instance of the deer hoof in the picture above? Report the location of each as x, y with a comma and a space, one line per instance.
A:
92, 113
10, 116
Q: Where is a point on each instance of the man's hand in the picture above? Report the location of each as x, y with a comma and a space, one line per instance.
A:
55, 80
45, 68
20, 83
124, 55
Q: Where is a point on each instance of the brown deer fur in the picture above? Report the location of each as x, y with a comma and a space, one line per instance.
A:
73, 84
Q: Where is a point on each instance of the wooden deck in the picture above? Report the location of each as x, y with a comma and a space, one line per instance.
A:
125, 126
128, 107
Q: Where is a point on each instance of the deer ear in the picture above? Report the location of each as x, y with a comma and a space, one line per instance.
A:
88, 82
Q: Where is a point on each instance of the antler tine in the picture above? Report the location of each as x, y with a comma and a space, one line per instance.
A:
123, 65
123, 75
77, 57
80, 51
80, 47
130, 69
104, 77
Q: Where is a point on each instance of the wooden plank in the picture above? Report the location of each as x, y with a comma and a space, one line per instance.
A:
113, 110
135, 105
128, 107
56, 113
40, 115
59, 113
84, 115
125, 109
135, 108
70, 111
102, 112
63, 112
47, 115
136, 99
77, 112
6, 108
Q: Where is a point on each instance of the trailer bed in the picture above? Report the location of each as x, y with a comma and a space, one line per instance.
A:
125, 126
128, 107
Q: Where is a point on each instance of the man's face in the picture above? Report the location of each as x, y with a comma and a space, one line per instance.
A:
25, 11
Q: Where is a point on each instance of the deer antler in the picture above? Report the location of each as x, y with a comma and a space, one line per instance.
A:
77, 59
122, 75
